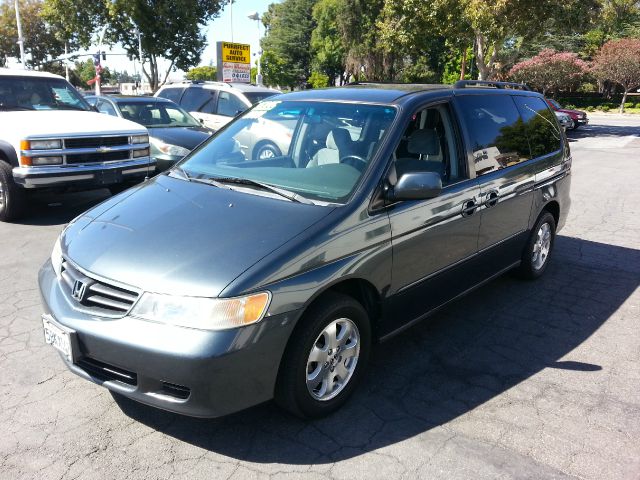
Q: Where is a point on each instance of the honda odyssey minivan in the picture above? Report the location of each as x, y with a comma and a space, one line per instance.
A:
229, 280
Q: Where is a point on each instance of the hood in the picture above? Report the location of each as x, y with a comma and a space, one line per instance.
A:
183, 238
187, 137
48, 123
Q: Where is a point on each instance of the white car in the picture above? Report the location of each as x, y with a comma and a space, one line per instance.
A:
50, 137
215, 103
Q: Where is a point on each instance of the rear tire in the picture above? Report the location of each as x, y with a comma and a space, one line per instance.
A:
537, 253
12, 196
326, 357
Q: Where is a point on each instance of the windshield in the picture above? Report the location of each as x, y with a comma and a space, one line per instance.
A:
318, 150
255, 97
157, 114
38, 93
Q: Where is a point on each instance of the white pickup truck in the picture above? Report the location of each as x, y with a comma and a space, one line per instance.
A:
50, 137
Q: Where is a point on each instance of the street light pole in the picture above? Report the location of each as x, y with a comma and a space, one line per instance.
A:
20, 37
255, 16
140, 54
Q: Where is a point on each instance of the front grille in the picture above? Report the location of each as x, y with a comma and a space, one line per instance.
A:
95, 142
97, 157
106, 372
95, 296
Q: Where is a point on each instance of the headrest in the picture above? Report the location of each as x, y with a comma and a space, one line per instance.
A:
338, 139
424, 142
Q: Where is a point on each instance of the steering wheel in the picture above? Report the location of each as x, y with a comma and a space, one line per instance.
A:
356, 161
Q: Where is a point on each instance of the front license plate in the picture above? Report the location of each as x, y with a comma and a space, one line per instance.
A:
57, 336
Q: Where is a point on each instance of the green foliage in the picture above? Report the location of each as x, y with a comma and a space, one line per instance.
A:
87, 71
286, 59
318, 80
171, 29
42, 40
202, 73
327, 45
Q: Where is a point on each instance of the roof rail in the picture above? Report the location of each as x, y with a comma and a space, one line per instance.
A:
489, 83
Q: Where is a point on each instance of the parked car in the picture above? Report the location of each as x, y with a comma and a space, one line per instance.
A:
173, 133
577, 116
227, 281
214, 103
52, 138
565, 120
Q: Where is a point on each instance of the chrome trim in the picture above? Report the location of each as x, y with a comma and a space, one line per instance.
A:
52, 175
81, 151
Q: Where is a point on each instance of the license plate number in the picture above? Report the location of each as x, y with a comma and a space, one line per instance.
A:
57, 337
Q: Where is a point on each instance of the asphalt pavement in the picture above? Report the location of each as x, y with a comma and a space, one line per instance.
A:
519, 380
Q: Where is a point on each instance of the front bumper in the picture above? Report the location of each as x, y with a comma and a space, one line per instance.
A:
90, 175
187, 371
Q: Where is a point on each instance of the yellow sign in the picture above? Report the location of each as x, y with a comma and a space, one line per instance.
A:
236, 52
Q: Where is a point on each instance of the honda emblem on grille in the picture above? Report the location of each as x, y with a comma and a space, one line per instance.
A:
79, 289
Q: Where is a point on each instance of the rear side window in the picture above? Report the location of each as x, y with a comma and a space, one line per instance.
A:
195, 98
229, 105
497, 133
541, 125
172, 93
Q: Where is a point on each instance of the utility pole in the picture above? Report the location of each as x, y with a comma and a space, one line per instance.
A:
255, 16
231, 14
20, 37
66, 61
140, 54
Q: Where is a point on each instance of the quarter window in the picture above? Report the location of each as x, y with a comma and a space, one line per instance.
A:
541, 125
106, 107
172, 94
497, 133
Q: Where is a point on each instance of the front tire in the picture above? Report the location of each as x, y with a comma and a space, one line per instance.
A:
265, 151
12, 197
326, 357
537, 253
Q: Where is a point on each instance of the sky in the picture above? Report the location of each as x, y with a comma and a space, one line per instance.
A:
244, 31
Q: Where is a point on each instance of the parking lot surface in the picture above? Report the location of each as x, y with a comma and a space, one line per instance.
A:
517, 380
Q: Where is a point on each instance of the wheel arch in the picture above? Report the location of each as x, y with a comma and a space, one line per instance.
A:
8, 154
553, 207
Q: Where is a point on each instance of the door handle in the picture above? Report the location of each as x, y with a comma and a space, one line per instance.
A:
469, 208
491, 199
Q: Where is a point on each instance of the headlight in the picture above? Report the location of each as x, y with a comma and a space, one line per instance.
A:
56, 258
37, 161
42, 144
202, 313
140, 139
168, 149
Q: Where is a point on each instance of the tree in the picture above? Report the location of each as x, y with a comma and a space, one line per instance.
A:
287, 43
42, 40
327, 46
550, 71
619, 61
170, 28
87, 71
202, 73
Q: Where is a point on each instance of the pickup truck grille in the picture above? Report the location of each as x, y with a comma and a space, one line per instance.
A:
95, 142
97, 157
95, 296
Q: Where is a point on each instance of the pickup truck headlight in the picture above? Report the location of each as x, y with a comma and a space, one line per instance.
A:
41, 144
158, 145
202, 313
140, 138
56, 258
37, 161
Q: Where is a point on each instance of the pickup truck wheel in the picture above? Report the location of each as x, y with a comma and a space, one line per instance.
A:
12, 197
326, 357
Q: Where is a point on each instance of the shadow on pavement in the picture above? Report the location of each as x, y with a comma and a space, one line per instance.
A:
469, 353
60, 208
598, 130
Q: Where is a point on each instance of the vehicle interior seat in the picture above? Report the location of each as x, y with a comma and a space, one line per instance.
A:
338, 145
426, 144
145, 117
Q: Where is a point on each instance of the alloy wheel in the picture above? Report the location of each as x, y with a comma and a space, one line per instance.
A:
542, 246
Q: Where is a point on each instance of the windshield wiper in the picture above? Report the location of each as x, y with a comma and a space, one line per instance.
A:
292, 196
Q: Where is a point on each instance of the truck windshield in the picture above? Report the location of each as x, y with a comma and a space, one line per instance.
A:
318, 150
39, 93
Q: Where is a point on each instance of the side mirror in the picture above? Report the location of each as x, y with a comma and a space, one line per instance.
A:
416, 186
